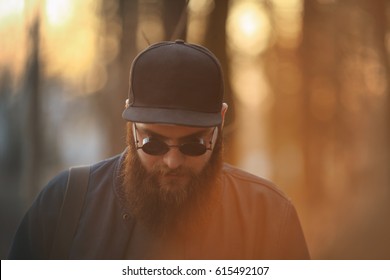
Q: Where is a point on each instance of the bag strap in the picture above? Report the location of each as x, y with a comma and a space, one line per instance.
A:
70, 212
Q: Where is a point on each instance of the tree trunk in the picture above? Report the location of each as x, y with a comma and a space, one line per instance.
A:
111, 99
215, 40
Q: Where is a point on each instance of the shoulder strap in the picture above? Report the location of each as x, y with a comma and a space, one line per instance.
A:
70, 211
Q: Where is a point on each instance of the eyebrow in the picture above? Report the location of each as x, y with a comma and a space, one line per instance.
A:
197, 134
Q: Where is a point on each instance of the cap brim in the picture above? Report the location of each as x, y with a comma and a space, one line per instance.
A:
171, 116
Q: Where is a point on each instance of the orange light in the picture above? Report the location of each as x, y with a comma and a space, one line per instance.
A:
248, 27
59, 12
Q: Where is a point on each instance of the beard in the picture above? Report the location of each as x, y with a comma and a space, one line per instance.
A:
170, 206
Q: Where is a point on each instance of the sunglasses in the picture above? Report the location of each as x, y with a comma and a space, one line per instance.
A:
156, 147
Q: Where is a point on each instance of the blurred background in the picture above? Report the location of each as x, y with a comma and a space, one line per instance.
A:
307, 83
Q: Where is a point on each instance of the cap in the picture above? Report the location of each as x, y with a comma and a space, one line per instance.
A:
175, 83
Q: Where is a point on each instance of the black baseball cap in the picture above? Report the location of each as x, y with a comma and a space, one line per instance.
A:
175, 83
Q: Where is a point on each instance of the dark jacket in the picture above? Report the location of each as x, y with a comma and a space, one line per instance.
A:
253, 221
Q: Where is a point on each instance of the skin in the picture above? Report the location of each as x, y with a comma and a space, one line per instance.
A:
176, 165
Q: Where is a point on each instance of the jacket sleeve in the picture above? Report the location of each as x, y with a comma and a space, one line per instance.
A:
34, 236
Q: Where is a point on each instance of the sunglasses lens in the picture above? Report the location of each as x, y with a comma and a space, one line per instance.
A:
158, 148
193, 149
155, 148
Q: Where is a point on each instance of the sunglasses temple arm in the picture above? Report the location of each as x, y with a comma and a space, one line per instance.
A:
135, 136
214, 138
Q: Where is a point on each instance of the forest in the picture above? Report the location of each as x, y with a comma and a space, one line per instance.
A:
307, 83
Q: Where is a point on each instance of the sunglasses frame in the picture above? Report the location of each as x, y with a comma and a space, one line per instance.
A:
147, 140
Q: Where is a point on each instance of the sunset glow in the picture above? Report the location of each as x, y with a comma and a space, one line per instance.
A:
10, 9
248, 27
59, 12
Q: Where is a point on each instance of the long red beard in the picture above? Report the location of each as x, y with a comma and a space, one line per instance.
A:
163, 210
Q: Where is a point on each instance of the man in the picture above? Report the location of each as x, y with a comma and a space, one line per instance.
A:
169, 195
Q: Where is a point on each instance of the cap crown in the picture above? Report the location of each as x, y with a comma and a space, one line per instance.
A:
177, 83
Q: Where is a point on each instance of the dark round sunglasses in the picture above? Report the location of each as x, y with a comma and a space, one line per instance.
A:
156, 147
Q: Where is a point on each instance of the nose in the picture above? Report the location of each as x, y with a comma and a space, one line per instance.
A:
173, 158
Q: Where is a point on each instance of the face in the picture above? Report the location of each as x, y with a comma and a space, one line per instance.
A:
174, 169
164, 190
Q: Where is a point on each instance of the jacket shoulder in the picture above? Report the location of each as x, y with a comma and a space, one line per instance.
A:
56, 187
35, 233
251, 183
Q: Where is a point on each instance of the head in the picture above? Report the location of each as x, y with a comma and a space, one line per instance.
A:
175, 113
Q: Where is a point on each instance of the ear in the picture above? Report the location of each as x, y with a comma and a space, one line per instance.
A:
223, 112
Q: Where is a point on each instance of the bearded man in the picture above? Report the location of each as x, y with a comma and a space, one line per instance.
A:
168, 195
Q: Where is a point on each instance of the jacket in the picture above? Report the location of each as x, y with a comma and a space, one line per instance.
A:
254, 220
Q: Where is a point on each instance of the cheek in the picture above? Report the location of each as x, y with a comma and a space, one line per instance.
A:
147, 161
198, 163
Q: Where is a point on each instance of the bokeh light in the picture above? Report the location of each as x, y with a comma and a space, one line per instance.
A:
10, 9
70, 43
288, 21
12, 27
248, 27
59, 12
